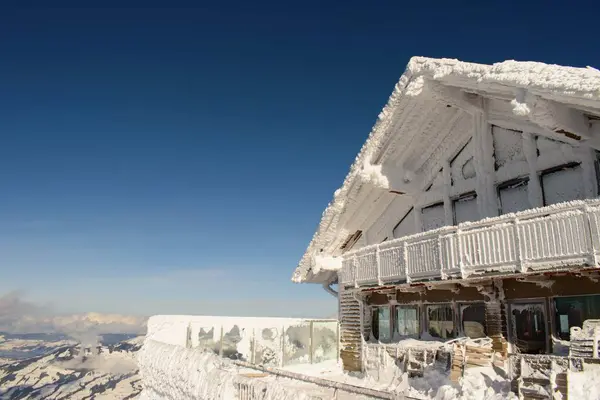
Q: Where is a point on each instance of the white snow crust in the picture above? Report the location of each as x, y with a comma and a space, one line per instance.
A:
173, 372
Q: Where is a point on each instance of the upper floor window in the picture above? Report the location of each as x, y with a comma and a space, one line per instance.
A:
465, 208
433, 216
513, 196
406, 226
563, 183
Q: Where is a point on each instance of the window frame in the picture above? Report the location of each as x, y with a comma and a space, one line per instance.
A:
432, 205
395, 319
553, 170
510, 325
461, 329
553, 318
375, 308
412, 209
456, 199
454, 316
519, 181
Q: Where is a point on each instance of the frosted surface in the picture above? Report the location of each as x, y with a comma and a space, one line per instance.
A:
514, 198
466, 210
433, 217
564, 185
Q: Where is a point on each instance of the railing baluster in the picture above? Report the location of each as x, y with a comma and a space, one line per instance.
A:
405, 257
517, 235
377, 262
542, 238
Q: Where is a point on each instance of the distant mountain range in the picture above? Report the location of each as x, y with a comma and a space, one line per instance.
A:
53, 367
76, 324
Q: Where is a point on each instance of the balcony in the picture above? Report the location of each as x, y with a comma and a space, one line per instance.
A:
544, 239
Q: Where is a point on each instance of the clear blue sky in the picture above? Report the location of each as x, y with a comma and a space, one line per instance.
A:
178, 160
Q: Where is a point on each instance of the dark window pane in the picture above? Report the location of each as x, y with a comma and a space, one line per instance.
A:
381, 324
529, 327
375, 323
572, 311
441, 321
384, 324
473, 320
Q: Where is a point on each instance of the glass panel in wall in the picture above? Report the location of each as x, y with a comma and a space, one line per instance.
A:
529, 327
514, 197
407, 321
440, 319
381, 324
572, 311
563, 185
406, 226
472, 318
433, 217
465, 209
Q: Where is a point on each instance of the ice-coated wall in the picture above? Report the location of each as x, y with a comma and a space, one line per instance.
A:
529, 171
189, 357
171, 372
267, 341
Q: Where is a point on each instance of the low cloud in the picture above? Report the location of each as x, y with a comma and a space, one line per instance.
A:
18, 315
101, 363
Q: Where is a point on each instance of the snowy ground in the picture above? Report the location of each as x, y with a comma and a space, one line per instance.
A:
483, 383
64, 372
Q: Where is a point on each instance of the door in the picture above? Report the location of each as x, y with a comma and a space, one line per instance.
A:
529, 328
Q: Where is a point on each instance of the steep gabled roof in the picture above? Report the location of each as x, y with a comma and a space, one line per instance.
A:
574, 86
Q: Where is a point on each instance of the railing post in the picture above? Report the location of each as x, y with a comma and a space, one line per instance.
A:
590, 219
379, 282
355, 268
405, 259
459, 253
519, 257
443, 274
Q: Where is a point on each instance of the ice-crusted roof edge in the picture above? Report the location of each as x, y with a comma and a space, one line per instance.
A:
563, 81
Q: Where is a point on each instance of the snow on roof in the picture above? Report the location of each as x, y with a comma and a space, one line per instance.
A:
577, 86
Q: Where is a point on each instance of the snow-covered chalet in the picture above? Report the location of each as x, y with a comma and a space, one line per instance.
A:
471, 211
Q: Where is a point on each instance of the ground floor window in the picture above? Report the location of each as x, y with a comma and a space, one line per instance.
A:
572, 311
529, 327
472, 320
381, 323
440, 321
407, 321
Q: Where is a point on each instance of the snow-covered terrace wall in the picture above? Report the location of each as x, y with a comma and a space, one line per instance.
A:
188, 357
561, 235
266, 341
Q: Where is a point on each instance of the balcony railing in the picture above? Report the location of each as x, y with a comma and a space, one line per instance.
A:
553, 237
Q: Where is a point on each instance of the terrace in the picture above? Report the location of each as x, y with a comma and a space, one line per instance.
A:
557, 237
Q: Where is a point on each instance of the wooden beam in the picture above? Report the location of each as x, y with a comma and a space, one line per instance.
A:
453, 96
553, 116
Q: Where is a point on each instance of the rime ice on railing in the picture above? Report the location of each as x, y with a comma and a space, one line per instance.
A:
538, 239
